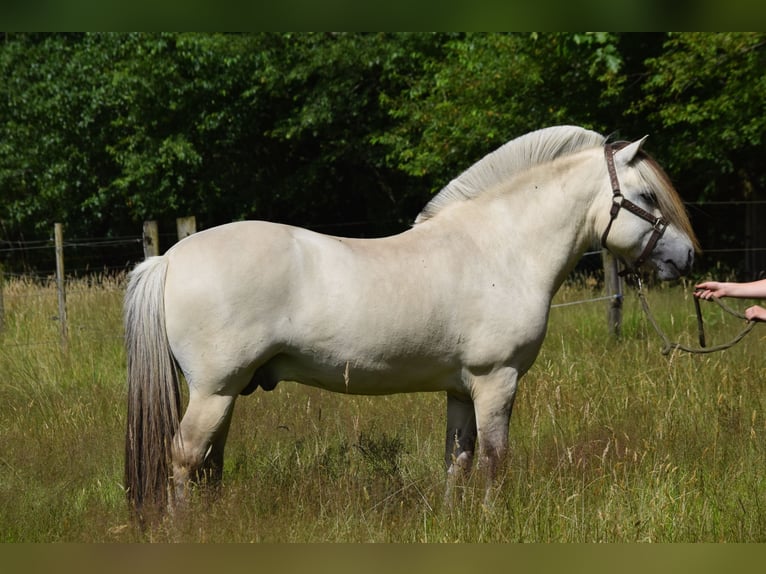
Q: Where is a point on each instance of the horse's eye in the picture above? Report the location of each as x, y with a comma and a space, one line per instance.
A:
649, 197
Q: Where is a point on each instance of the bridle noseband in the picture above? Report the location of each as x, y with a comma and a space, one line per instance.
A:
620, 201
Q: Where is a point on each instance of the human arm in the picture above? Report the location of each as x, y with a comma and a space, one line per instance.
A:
749, 290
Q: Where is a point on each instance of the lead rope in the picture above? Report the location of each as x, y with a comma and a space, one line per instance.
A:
670, 346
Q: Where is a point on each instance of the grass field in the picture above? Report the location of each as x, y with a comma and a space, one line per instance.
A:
610, 440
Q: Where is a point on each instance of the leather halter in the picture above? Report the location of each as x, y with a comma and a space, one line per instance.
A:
620, 201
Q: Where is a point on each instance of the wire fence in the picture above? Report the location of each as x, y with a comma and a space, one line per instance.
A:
103, 262
47, 295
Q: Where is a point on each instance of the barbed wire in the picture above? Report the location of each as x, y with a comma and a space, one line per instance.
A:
35, 245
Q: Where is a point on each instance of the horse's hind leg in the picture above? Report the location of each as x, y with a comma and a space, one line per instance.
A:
212, 467
198, 446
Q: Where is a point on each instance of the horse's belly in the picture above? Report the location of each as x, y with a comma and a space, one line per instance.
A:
369, 378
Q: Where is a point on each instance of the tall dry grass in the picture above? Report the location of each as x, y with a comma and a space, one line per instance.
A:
610, 440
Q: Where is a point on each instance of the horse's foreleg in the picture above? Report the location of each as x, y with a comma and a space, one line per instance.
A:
493, 396
198, 446
461, 440
461, 435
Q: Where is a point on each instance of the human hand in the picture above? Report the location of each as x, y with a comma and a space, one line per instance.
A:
755, 313
710, 289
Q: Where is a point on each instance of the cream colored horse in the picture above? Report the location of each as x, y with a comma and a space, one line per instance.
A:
458, 303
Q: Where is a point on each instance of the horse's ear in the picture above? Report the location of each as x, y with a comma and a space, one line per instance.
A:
626, 154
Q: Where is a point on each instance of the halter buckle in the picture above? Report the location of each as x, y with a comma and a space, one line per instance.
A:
660, 225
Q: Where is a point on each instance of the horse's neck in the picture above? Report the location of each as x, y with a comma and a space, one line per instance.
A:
541, 227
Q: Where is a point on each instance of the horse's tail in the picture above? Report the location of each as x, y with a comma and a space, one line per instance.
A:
154, 399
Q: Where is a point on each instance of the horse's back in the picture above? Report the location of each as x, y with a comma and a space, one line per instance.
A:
262, 261
233, 245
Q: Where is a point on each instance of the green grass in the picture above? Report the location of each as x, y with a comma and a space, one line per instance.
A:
610, 440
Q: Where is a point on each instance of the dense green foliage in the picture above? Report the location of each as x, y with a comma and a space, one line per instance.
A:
103, 131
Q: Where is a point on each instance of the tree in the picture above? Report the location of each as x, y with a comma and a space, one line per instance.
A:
481, 90
105, 130
102, 131
707, 91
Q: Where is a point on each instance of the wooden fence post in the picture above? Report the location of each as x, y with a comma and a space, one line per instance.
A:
58, 234
151, 239
613, 284
186, 226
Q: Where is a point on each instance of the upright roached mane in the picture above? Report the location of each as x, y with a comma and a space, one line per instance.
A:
544, 146
517, 155
457, 304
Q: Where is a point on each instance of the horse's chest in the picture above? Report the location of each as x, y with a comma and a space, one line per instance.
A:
510, 337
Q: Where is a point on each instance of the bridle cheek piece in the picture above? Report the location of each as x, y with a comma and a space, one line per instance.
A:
619, 201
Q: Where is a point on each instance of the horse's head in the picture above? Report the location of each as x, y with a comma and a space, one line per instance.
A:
647, 221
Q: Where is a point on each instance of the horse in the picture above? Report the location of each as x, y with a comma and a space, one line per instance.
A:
457, 303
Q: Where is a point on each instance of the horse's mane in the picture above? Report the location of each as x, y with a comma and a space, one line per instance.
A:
517, 155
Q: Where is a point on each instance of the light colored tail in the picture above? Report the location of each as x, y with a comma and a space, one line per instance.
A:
154, 400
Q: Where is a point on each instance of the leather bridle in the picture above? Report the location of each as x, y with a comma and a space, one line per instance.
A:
659, 225
619, 201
